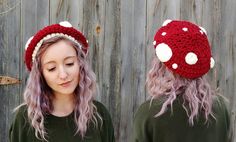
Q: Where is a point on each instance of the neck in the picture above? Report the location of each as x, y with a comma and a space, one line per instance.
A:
63, 104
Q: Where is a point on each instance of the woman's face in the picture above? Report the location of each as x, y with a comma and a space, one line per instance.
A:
60, 68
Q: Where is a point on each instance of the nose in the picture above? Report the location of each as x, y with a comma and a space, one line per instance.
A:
63, 73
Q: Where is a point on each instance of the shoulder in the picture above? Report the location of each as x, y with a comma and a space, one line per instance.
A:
220, 106
221, 112
101, 109
21, 113
107, 130
99, 105
148, 109
145, 114
143, 109
145, 120
220, 99
219, 103
20, 122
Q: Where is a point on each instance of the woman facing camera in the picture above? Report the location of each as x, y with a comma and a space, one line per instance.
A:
59, 103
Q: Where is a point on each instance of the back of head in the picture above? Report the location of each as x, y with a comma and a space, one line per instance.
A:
183, 57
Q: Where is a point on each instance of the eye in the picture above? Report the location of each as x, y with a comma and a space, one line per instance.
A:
70, 64
51, 69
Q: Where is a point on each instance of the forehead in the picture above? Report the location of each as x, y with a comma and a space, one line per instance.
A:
58, 51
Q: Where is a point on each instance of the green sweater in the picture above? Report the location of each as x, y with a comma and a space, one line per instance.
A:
62, 129
174, 127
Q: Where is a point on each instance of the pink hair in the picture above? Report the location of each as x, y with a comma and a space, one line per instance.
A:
196, 93
38, 95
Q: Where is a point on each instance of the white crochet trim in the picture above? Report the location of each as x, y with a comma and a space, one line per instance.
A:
50, 36
28, 42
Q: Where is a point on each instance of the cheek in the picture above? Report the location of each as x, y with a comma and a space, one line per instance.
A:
76, 72
49, 78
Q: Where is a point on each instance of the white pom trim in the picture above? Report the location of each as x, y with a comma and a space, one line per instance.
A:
65, 24
163, 52
202, 30
28, 42
212, 63
38, 45
191, 58
166, 22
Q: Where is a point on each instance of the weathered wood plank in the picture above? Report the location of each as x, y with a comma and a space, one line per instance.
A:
3, 64
42, 13
75, 12
10, 45
93, 26
133, 69
111, 59
139, 68
58, 11
227, 49
127, 44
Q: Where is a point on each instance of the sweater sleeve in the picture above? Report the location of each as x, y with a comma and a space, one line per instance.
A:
18, 129
107, 131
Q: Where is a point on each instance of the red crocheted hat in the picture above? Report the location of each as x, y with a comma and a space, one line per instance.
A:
184, 48
63, 29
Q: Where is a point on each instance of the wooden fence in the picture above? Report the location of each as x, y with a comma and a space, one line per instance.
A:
120, 34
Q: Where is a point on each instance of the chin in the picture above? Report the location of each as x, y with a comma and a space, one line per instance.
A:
66, 91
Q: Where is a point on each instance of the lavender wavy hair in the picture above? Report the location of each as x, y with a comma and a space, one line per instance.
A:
197, 94
38, 95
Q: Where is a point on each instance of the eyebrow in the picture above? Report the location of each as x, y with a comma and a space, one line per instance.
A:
54, 61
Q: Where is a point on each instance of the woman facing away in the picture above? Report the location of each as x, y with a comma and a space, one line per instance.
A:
183, 106
59, 103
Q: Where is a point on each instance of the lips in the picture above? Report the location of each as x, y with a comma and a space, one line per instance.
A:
65, 84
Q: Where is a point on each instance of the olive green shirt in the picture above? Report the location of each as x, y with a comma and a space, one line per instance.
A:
62, 129
173, 126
